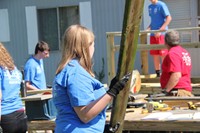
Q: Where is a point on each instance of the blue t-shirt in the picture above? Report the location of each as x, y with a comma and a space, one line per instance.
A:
158, 13
74, 87
34, 73
10, 88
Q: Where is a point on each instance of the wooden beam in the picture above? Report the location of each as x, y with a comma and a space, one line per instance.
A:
110, 56
144, 56
153, 88
37, 97
152, 79
153, 47
31, 92
118, 33
128, 48
133, 122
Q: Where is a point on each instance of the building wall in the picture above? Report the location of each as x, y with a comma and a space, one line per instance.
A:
107, 16
184, 14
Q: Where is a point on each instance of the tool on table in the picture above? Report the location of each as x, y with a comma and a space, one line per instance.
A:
157, 106
191, 105
162, 94
135, 84
113, 127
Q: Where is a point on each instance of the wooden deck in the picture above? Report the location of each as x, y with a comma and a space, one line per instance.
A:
151, 84
133, 122
150, 88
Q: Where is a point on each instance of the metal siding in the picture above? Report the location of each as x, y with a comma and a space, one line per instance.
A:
4, 26
181, 17
17, 45
107, 16
180, 12
32, 28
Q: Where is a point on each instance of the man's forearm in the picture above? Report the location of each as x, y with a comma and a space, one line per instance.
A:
30, 87
173, 80
168, 20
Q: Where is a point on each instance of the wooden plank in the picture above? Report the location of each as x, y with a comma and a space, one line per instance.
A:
41, 125
128, 48
177, 29
37, 97
162, 126
110, 57
175, 101
118, 33
31, 92
147, 76
157, 47
144, 56
152, 88
151, 79
179, 103
133, 122
173, 98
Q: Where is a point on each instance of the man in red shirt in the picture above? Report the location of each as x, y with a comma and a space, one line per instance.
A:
176, 67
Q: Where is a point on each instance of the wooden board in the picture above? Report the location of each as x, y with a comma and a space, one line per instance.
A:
31, 92
152, 88
133, 122
151, 78
128, 48
37, 97
175, 101
173, 98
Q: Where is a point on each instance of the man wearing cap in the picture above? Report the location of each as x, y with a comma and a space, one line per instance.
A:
176, 67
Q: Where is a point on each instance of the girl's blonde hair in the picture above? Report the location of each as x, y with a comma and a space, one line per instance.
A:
6, 60
76, 42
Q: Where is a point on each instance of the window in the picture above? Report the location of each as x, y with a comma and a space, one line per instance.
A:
198, 14
198, 6
53, 22
4, 26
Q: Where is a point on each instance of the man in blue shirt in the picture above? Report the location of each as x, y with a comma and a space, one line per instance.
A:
34, 75
160, 19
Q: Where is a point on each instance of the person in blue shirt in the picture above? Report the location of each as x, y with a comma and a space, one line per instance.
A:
13, 118
80, 99
34, 75
160, 19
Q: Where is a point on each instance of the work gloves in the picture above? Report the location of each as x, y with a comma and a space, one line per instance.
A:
165, 93
117, 85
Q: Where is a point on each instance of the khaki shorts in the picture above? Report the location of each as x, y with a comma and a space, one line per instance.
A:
184, 93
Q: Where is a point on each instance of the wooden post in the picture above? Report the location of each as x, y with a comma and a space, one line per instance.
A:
127, 53
144, 55
110, 56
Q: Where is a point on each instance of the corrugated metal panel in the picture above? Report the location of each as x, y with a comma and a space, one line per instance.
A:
194, 52
181, 14
107, 16
18, 37
179, 9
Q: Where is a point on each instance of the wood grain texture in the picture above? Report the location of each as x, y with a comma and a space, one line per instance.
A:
128, 47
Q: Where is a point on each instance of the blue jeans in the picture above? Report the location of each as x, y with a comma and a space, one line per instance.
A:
15, 122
